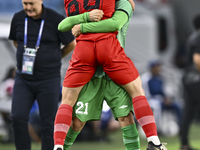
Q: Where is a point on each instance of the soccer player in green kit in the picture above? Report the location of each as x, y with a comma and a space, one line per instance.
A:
89, 103
118, 20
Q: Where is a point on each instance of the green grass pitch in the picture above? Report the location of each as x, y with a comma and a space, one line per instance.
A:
117, 143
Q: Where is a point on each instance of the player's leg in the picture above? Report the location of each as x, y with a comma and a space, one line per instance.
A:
80, 71
64, 115
73, 132
130, 134
120, 102
144, 114
88, 107
122, 71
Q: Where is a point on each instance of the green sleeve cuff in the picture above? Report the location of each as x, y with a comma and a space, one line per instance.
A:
88, 17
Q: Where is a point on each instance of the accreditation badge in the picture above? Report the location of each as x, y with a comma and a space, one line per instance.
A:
28, 60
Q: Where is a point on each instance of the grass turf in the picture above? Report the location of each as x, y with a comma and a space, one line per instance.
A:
117, 143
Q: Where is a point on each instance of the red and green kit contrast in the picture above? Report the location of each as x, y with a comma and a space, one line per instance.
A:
97, 49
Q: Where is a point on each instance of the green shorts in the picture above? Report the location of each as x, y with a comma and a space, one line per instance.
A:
90, 100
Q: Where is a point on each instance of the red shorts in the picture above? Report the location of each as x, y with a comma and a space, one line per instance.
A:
106, 52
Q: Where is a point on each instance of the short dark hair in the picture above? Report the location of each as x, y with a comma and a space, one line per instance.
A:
196, 21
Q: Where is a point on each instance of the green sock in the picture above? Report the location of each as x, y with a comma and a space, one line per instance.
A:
70, 138
131, 137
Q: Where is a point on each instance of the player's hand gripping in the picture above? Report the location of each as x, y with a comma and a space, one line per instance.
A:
96, 15
76, 30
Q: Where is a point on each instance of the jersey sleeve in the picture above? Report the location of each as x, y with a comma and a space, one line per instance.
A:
108, 25
124, 5
68, 23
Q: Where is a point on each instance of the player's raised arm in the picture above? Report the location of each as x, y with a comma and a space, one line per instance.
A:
108, 25
68, 23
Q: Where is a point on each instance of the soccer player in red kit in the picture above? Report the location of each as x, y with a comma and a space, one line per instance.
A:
92, 50
75, 7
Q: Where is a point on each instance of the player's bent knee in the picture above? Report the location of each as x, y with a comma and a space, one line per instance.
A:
126, 120
77, 125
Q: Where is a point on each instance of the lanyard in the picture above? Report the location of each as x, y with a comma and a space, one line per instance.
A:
39, 35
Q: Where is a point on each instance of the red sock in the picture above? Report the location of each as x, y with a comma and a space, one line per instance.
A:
144, 115
62, 123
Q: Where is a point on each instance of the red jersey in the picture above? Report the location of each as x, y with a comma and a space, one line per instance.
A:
75, 7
